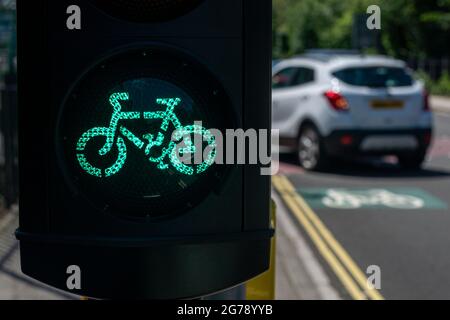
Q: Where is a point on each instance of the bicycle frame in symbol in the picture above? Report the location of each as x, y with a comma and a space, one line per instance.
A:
116, 135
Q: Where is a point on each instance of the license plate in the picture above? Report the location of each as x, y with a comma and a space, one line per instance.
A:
386, 142
388, 104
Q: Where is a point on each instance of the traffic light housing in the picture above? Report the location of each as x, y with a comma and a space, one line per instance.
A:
100, 185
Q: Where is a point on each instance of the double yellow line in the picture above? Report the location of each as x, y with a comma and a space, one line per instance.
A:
345, 268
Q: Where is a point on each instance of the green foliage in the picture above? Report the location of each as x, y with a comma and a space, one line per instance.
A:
439, 87
442, 87
299, 25
423, 76
409, 27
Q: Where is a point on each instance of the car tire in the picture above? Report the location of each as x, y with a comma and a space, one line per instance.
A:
413, 161
310, 151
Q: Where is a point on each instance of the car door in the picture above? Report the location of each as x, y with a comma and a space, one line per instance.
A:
291, 93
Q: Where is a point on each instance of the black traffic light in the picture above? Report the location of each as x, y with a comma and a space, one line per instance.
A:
103, 86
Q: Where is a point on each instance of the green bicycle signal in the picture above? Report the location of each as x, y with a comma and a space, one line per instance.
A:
171, 154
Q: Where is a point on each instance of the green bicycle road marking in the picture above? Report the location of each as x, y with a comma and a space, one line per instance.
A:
401, 198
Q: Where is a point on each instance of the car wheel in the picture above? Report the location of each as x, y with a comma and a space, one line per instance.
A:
310, 151
412, 161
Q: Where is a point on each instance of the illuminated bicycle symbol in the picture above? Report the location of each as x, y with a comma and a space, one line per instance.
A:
172, 153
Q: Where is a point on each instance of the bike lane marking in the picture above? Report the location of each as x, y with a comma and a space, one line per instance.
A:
398, 198
340, 262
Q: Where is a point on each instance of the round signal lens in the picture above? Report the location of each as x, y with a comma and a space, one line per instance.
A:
137, 134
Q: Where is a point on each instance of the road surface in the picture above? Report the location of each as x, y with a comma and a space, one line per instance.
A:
373, 221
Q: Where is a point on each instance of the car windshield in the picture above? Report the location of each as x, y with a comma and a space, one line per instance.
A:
375, 77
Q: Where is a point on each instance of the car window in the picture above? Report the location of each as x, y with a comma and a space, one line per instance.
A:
303, 76
294, 76
284, 78
375, 77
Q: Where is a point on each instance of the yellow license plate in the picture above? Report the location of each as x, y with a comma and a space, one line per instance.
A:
388, 104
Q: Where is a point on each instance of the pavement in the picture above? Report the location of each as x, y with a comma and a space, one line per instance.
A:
440, 103
13, 284
299, 276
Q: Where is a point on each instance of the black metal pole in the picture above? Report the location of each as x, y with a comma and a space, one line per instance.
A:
9, 128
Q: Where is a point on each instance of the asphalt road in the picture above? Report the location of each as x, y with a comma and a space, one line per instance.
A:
370, 218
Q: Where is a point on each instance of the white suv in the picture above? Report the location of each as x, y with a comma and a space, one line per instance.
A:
329, 105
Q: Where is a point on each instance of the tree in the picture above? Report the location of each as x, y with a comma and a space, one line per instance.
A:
409, 27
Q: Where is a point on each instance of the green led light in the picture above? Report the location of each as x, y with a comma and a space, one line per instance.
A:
130, 136
120, 161
184, 134
88, 167
116, 136
133, 135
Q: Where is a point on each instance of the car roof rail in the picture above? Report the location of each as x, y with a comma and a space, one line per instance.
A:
326, 55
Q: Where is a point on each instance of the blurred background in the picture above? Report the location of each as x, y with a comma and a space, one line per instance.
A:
379, 220
415, 31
